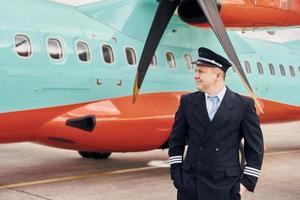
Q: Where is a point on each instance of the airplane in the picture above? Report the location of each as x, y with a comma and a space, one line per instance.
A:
67, 73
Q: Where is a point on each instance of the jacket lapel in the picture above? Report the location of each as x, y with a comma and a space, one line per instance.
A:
201, 111
223, 114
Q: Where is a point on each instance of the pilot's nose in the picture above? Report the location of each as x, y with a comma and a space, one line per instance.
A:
196, 75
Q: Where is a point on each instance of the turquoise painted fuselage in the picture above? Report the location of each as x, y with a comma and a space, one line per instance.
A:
40, 81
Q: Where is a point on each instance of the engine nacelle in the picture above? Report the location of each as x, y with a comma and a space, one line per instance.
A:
245, 13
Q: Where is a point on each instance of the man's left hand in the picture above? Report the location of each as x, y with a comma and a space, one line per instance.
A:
243, 190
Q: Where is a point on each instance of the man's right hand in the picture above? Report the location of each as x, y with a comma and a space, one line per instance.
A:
178, 183
176, 173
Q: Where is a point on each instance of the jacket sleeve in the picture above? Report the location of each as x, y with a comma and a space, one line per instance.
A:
254, 147
177, 140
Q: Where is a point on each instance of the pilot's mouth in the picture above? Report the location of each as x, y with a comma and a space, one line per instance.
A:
198, 81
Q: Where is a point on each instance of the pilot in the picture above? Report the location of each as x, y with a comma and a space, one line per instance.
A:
212, 122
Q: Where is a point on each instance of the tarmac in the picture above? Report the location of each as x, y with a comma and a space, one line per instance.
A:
33, 172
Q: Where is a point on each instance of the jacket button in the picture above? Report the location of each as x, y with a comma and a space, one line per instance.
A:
199, 163
217, 149
201, 148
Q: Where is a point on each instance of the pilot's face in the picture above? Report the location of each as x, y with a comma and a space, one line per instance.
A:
205, 77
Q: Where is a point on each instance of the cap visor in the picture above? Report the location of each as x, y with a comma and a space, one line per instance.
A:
200, 62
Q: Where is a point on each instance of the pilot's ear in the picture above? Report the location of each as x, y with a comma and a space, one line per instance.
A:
220, 74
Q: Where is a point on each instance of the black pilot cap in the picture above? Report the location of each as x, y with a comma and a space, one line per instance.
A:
211, 59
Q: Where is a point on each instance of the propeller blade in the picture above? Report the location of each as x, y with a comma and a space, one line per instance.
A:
161, 19
210, 9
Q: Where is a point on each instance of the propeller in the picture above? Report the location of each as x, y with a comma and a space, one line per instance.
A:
164, 12
212, 14
162, 17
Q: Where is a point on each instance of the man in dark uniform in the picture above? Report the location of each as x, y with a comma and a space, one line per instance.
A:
212, 122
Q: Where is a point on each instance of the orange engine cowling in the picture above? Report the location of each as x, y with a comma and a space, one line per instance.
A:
245, 13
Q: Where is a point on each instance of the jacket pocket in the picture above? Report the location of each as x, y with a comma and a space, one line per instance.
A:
234, 171
226, 176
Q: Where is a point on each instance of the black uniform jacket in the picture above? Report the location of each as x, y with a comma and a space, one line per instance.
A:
211, 169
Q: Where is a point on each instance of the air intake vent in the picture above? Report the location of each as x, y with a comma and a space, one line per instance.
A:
86, 123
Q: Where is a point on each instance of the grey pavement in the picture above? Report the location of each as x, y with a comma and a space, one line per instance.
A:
27, 162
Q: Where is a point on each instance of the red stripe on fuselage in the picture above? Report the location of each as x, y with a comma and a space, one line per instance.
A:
120, 125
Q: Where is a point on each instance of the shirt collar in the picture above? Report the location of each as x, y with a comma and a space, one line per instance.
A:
220, 95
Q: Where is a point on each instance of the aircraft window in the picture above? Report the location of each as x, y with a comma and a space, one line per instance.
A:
248, 67
260, 68
282, 71
171, 60
23, 46
55, 49
272, 70
188, 61
130, 55
154, 61
108, 54
292, 71
83, 51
